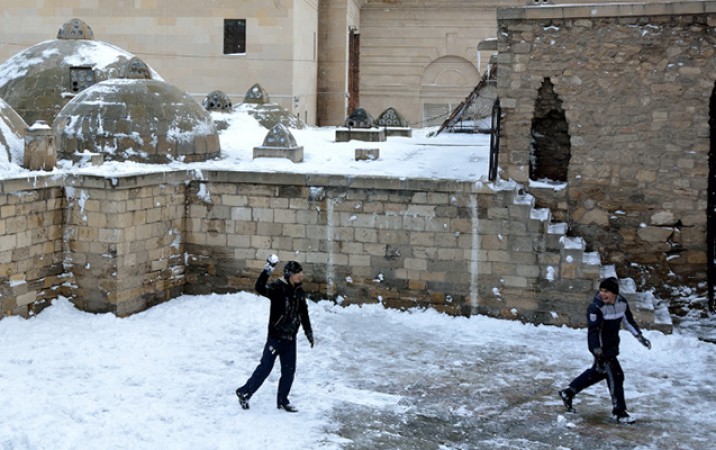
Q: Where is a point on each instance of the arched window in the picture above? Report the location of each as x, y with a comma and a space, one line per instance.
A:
550, 148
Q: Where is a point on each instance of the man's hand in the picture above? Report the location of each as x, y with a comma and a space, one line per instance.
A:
644, 341
598, 354
309, 336
599, 362
271, 262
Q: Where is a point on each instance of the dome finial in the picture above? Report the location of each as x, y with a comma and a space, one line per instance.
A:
75, 29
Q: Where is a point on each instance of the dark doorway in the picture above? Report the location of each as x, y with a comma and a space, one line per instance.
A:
711, 208
353, 71
550, 148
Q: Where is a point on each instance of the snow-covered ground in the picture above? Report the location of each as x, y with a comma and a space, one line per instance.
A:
376, 379
445, 156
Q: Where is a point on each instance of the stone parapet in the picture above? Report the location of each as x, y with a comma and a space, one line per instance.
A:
123, 244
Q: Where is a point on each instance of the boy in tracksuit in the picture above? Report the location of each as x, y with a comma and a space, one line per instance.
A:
605, 316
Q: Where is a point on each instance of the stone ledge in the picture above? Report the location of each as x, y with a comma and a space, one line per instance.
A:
593, 10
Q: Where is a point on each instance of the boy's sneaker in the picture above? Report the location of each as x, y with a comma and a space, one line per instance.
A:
623, 417
566, 396
243, 399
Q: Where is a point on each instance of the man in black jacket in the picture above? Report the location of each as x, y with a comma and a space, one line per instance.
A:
288, 311
605, 316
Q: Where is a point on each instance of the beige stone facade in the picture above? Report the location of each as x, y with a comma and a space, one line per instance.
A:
636, 84
418, 56
183, 41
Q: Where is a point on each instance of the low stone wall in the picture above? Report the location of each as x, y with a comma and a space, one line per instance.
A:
123, 244
125, 240
31, 250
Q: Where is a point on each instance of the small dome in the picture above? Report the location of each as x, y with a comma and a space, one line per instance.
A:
75, 29
279, 136
256, 94
39, 81
391, 118
258, 105
138, 120
12, 136
217, 101
360, 118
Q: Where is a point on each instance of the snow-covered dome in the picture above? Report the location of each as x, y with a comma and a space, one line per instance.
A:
39, 81
258, 104
136, 119
12, 136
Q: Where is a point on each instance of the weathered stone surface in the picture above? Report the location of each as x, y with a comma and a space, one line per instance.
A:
635, 99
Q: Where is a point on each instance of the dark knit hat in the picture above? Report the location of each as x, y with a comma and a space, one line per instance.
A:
611, 284
291, 268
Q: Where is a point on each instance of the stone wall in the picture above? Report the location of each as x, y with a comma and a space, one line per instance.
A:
635, 82
125, 240
123, 244
31, 271
457, 247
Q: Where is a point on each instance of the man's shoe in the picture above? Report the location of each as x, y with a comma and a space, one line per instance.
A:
243, 399
623, 417
566, 396
288, 408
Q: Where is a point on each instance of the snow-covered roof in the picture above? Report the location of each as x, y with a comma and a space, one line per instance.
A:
38, 81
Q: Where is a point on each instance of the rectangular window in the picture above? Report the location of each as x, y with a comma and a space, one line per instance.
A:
234, 36
436, 113
81, 78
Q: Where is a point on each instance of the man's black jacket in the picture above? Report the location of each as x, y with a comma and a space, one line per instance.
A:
288, 307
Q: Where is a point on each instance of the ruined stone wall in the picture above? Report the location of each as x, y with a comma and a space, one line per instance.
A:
31, 272
635, 83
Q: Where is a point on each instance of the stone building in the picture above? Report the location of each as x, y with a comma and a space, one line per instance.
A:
38, 81
12, 135
605, 149
608, 116
136, 118
318, 59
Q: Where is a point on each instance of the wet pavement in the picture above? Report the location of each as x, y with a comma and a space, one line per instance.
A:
470, 406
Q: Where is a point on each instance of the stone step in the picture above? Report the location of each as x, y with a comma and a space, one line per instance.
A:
555, 232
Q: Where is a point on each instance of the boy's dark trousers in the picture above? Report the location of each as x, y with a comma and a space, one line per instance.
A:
608, 369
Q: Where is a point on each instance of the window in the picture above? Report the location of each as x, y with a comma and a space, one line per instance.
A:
81, 78
234, 36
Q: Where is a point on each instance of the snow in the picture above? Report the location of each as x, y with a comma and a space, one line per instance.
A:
377, 378
165, 378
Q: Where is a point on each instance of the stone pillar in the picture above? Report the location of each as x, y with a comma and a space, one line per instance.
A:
40, 151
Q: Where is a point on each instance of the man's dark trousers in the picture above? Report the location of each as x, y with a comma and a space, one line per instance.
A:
285, 349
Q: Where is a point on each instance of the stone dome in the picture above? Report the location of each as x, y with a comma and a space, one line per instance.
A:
12, 135
39, 81
257, 103
217, 101
136, 119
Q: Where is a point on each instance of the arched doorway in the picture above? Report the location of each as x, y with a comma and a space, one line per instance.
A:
550, 149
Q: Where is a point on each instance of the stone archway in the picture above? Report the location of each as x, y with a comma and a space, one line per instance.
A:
550, 148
